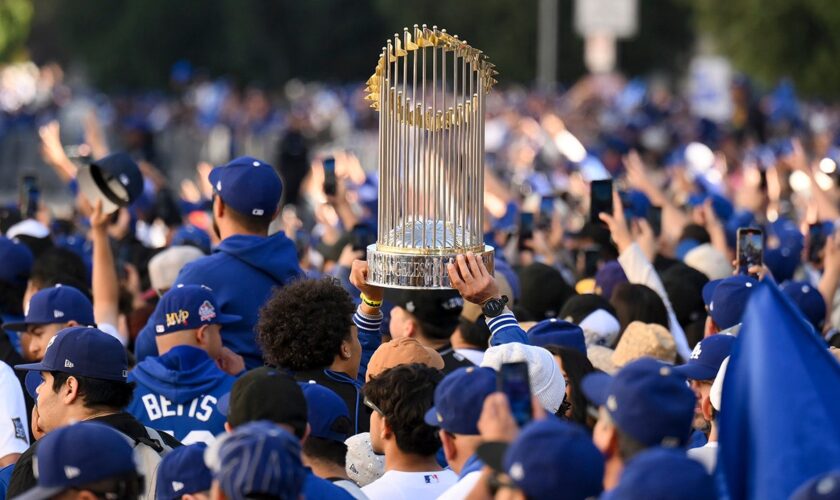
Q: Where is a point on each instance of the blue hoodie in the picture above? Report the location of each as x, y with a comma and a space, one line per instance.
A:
242, 271
178, 393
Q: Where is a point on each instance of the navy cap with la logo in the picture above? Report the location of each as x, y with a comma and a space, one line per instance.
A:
188, 307
85, 352
251, 186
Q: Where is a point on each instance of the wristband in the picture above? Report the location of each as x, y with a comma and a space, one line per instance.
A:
370, 302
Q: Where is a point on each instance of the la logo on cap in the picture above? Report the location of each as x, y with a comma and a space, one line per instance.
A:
51, 342
695, 354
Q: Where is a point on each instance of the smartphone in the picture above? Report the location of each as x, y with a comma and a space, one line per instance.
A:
330, 182
512, 379
526, 229
750, 249
600, 199
654, 218
30, 196
546, 212
816, 242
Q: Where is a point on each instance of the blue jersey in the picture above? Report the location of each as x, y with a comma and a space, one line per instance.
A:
178, 393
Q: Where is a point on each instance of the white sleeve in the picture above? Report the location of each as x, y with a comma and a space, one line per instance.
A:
112, 331
14, 424
640, 271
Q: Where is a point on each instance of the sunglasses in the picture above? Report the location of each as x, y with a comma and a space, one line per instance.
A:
373, 407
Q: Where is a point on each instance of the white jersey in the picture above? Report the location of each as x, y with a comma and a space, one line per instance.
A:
14, 424
395, 485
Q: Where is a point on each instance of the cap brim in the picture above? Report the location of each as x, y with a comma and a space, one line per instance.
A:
431, 417
595, 387
709, 290
493, 454
32, 367
89, 189
224, 404
40, 493
16, 327
32, 381
695, 371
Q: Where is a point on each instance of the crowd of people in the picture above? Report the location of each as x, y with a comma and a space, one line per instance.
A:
221, 339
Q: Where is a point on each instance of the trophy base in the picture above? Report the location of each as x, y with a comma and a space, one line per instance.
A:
415, 271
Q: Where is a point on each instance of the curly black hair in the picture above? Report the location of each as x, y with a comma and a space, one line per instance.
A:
404, 394
302, 325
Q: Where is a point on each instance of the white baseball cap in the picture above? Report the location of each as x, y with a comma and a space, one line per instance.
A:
716, 392
165, 266
547, 382
363, 465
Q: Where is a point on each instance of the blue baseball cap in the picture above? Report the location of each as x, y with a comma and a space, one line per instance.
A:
808, 300
551, 458
250, 186
78, 455
189, 234
825, 486
183, 472
558, 332
17, 261
115, 180
726, 299
257, 458
85, 352
647, 400
57, 304
459, 398
608, 277
327, 413
188, 307
705, 359
662, 473
722, 207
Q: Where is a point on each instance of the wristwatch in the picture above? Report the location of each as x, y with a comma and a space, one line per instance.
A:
494, 307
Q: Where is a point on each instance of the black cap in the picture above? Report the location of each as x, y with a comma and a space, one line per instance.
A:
544, 291
266, 394
439, 308
114, 179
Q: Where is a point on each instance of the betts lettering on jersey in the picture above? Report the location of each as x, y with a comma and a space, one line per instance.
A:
200, 408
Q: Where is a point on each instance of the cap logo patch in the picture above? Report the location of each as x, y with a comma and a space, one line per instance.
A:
257, 211
177, 486
695, 353
177, 318
206, 312
124, 180
160, 328
58, 314
517, 472
256, 164
52, 340
612, 405
71, 472
218, 185
68, 364
439, 417
409, 306
125, 374
453, 303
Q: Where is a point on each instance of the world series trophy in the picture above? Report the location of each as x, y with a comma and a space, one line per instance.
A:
429, 88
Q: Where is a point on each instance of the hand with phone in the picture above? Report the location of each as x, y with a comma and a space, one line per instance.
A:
30, 196
617, 225
514, 382
330, 179
750, 251
600, 200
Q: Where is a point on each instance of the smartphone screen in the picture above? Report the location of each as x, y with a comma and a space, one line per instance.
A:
330, 182
600, 199
30, 195
546, 212
526, 228
654, 218
816, 242
750, 248
514, 382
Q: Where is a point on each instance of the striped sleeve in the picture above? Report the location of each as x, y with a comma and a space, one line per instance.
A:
505, 329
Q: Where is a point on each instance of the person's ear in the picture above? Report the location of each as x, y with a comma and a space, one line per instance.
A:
228, 427
346, 351
218, 206
449, 449
306, 433
201, 335
71, 323
612, 448
412, 329
85, 495
706, 408
69, 392
386, 431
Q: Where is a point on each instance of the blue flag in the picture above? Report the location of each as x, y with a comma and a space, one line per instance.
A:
779, 423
